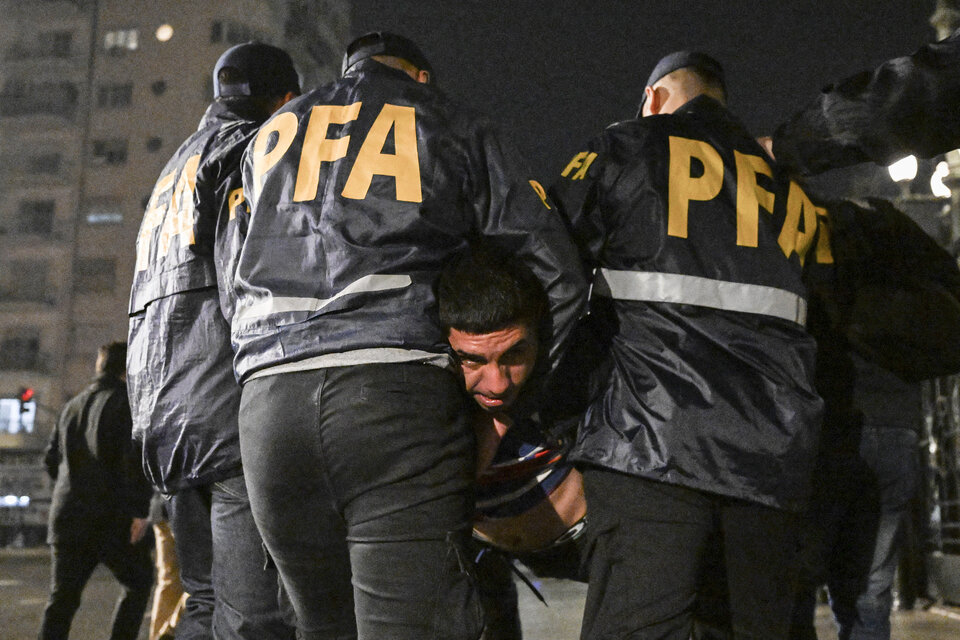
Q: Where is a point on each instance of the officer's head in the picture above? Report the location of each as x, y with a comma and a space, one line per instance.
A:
680, 77
112, 360
491, 306
255, 77
392, 50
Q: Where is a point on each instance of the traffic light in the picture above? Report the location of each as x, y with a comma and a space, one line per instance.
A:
25, 395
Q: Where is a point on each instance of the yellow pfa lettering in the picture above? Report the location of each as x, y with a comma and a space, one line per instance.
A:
178, 220
152, 219
581, 162
285, 126
318, 148
235, 199
750, 197
404, 165
684, 187
799, 207
540, 192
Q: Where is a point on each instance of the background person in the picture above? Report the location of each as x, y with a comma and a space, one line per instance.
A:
98, 510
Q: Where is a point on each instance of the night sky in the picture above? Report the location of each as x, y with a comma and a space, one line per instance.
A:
552, 74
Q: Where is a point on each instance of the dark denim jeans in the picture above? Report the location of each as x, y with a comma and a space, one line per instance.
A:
233, 595
365, 473
851, 535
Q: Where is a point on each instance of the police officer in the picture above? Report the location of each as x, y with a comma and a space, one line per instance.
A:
353, 425
699, 447
183, 392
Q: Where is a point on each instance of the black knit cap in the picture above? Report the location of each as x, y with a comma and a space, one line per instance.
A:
261, 70
702, 62
384, 43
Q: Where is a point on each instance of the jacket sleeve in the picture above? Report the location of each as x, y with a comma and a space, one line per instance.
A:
222, 209
894, 294
513, 212
907, 105
52, 454
126, 455
577, 193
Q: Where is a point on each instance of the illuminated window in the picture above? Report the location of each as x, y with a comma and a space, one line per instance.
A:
13, 420
121, 40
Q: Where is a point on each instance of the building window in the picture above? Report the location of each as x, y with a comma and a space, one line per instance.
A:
20, 349
231, 32
35, 217
158, 87
110, 152
20, 98
114, 96
44, 164
154, 144
95, 275
121, 40
55, 44
25, 281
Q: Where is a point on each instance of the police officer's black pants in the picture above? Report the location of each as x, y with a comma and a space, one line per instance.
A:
664, 560
375, 462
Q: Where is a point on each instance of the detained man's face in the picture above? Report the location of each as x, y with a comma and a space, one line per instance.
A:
495, 365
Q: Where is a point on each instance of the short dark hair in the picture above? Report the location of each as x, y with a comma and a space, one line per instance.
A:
112, 359
487, 289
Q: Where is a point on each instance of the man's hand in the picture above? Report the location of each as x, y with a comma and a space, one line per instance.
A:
138, 529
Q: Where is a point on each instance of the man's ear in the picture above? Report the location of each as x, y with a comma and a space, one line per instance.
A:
652, 104
423, 76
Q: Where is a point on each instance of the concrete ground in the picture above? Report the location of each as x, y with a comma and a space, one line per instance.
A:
24, 581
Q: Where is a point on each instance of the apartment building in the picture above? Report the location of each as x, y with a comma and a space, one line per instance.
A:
95, 95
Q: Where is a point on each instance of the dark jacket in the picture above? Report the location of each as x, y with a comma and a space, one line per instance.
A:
907, 105
360, 191
99, 485
698, 244
183, 392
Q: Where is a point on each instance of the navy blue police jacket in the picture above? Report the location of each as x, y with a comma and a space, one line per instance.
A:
183, 393
697, 245
359, 192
